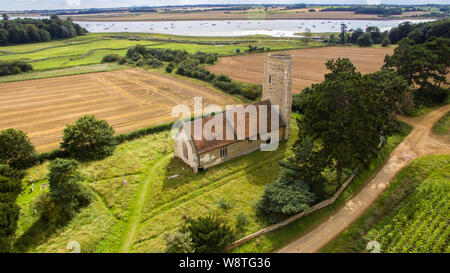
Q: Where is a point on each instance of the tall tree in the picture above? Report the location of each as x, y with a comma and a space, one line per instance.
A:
10, 188
423, 65
89, 138
16, 149
344, 114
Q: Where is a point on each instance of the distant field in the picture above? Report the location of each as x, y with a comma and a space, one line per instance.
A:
127, 99
90, 49
222, 15
309, 64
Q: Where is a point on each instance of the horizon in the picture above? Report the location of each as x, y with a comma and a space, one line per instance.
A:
26, 5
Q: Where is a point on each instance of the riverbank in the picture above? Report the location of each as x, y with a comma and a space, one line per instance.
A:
221, 15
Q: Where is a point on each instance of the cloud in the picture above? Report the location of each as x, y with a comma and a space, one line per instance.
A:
73, 2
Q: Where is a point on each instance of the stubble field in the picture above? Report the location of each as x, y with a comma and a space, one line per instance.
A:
127, 99
309, 65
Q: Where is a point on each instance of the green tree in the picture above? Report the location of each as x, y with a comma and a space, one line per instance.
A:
67, 192
10, 188
179, 242
355, 35
89, 138
342, 35
364, 40
209, 234
386, 42
423, 65
374, 33
252, 91
343, 116
5, 16
16, 149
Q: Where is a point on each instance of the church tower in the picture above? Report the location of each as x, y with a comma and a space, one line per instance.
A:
277, 84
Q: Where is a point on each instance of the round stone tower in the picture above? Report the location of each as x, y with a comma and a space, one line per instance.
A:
277, 85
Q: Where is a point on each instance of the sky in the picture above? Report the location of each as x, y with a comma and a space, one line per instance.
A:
75, 4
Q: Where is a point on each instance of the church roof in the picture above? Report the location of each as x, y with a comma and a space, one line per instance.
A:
208, 143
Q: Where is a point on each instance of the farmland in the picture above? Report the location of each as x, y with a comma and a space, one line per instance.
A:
410, 216
90, 49
309, 65
127, 99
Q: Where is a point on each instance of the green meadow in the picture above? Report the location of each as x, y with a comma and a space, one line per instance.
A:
90, 49
134, 217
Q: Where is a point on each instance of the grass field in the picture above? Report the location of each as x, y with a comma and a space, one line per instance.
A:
411, 216
134, 217
442, 127
90, 49
129, 99
309, 64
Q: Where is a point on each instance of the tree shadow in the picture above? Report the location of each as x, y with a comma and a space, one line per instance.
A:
37, 234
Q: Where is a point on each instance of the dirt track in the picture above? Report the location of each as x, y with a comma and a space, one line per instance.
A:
418, 143
309, 65
127, 99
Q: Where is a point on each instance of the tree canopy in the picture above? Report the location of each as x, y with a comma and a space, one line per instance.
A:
89, 138
16, 149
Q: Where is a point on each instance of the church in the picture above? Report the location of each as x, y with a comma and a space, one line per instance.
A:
204, 152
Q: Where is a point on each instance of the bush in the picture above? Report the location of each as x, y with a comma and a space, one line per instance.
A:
386, 42
281, 200
364, 40
16, 149
13, 67
241, 221
111, 58
170, 67
224, 204
179, 242
154, 63
67, 193
209, 234
89, 138
252, 91
299, 100
123, 60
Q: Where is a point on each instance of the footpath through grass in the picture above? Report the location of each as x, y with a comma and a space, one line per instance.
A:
411, 216
135, 216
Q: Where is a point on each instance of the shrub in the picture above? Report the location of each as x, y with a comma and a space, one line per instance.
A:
364, 40
154, 63
89, 138
13, 67
111, 58
67, 194
209, 234
252, 91
16, 149
241, 221
281, 200
123, 60
386, 42
224, 204
170, 67
179, 242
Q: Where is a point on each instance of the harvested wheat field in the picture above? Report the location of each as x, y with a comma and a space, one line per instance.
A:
309, 65
127, 99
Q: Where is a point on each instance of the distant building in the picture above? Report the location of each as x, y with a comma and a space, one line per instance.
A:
277, 90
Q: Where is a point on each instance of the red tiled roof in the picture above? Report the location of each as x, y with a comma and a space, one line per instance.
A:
204, 145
